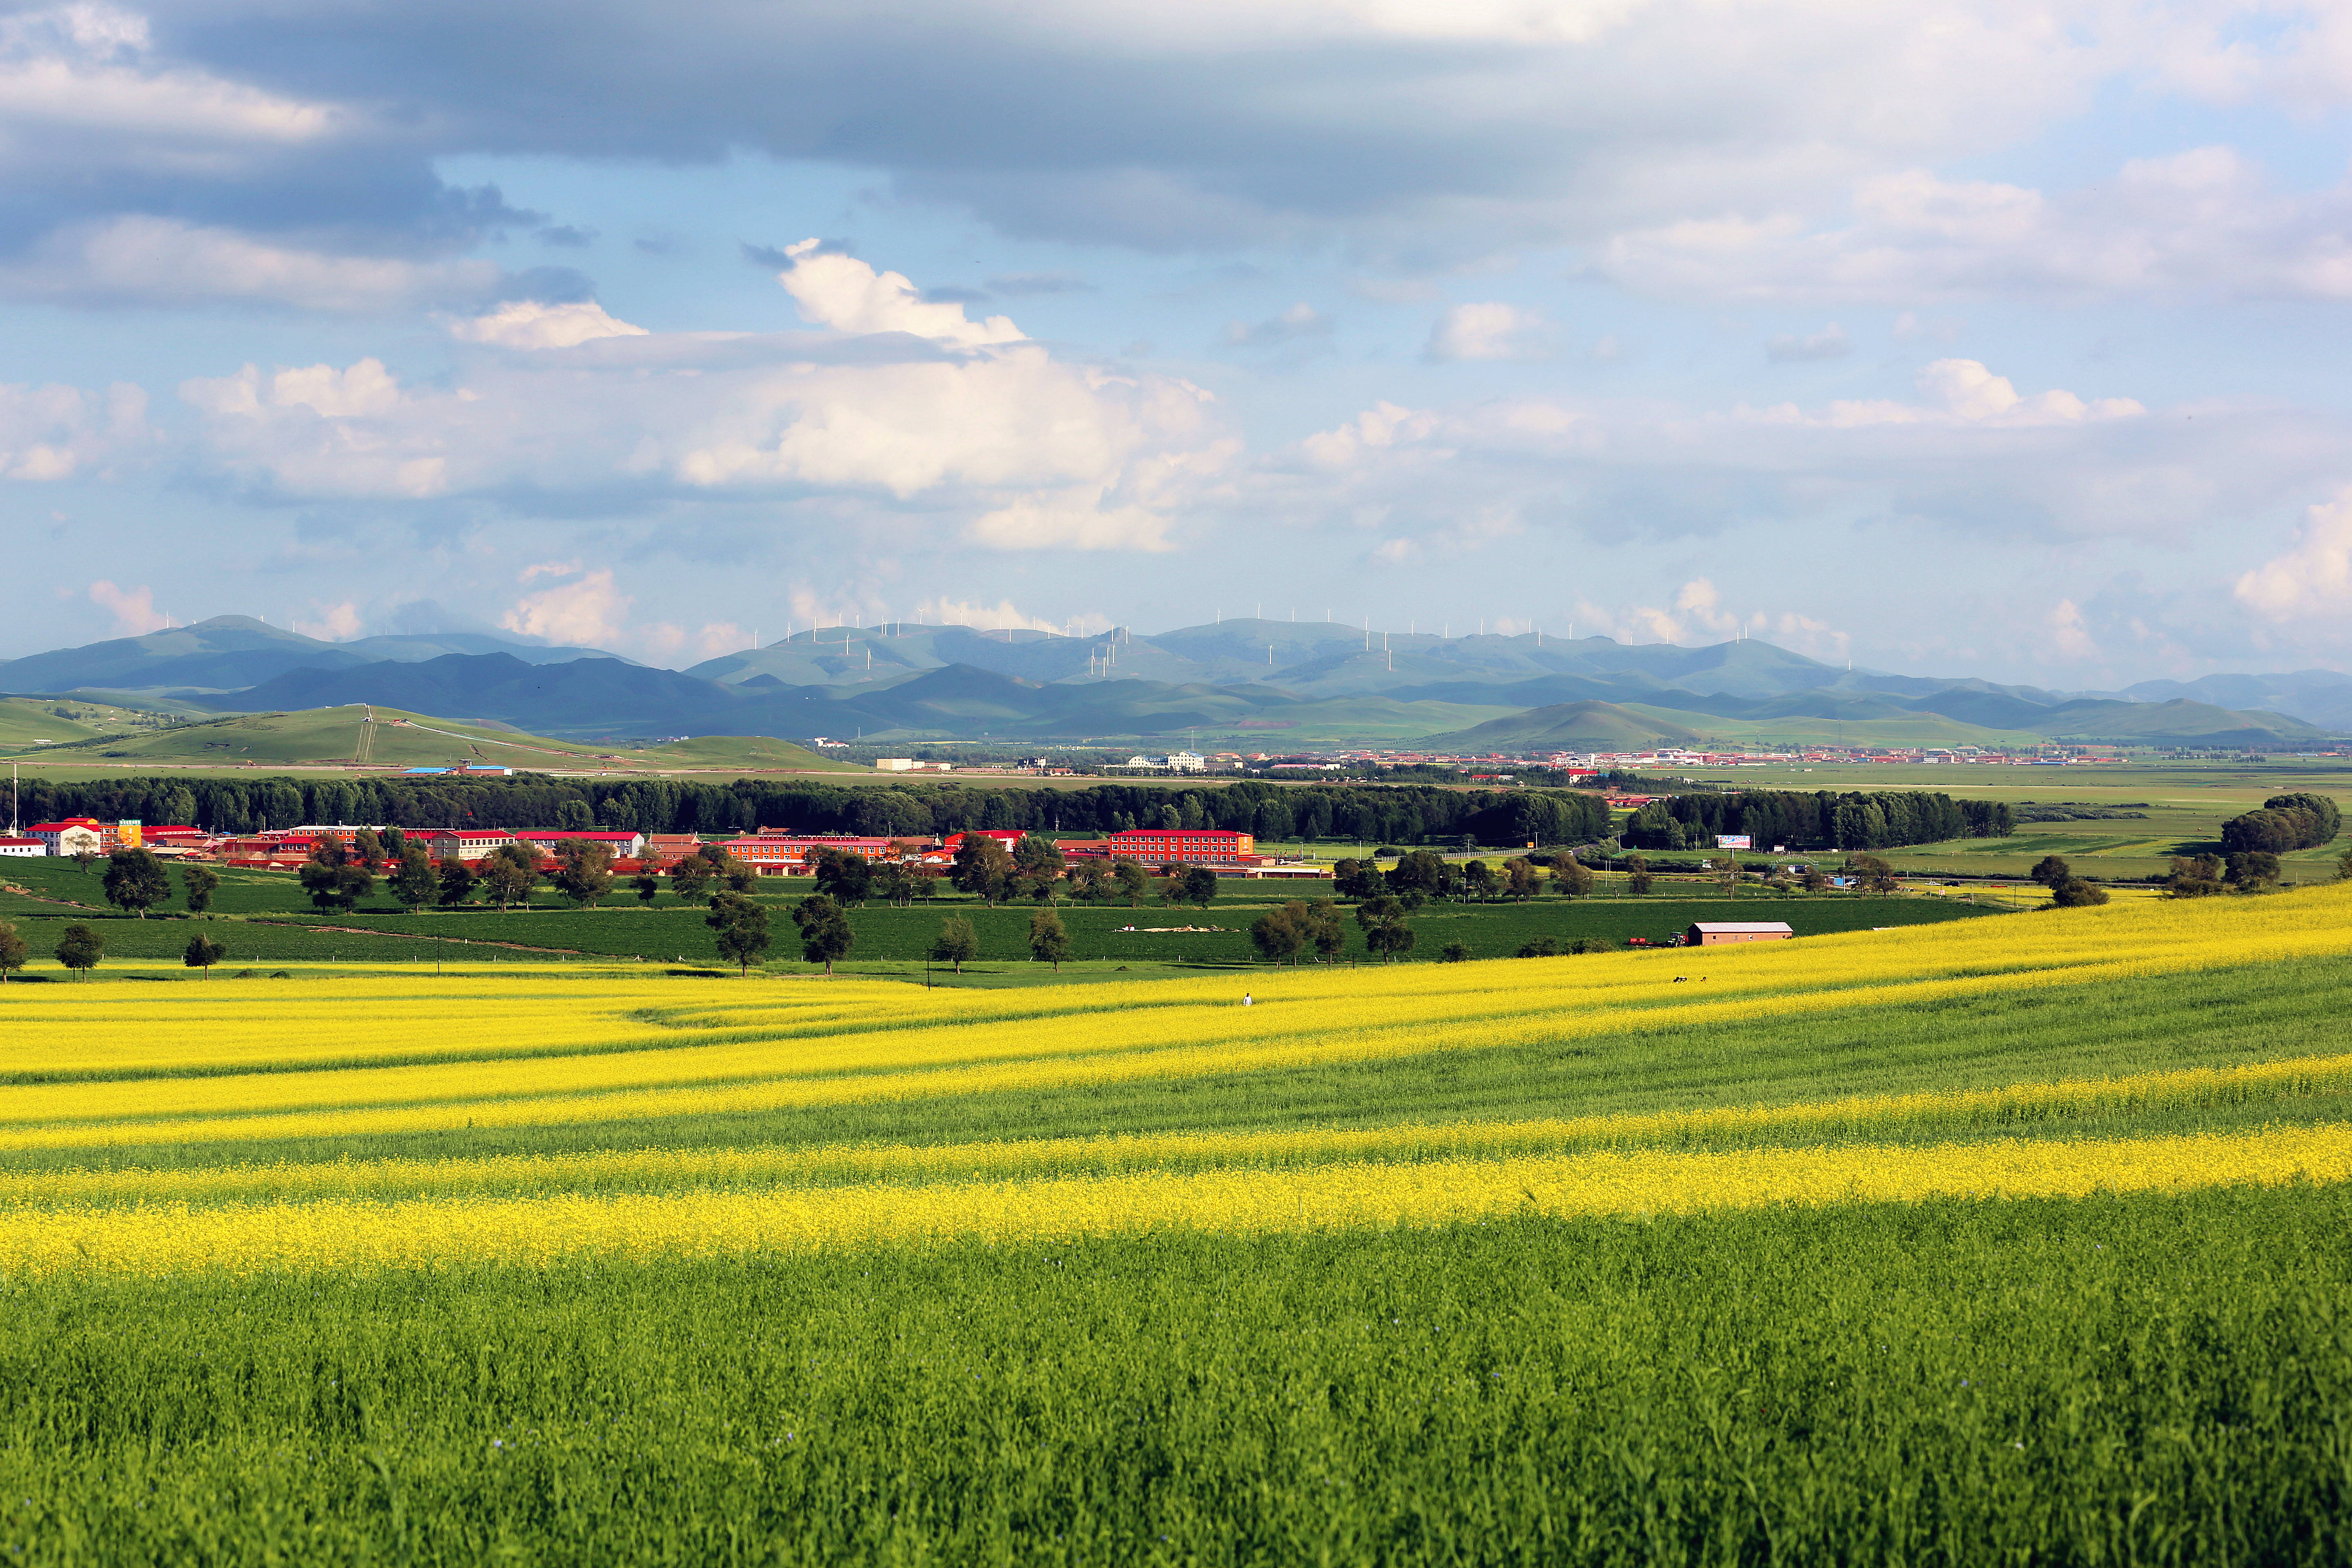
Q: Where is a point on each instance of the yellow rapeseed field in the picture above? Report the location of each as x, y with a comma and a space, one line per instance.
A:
177, 1238
96, 1076
247, 1063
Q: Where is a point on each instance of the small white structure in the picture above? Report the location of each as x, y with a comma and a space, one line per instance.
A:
23, 846
1187, 762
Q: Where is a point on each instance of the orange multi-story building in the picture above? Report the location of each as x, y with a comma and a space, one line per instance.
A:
1185, 845
774, 853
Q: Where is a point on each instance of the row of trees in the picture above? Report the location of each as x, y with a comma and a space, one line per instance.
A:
1876, 819
1397, 814
79, 949
2284, 822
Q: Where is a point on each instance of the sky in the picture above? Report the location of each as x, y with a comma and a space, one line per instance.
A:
1994, 338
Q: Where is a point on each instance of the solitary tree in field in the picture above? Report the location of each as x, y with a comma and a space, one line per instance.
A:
741, 923
1391, 938
1280, 935
1323, 929
333, 878
1090, 881
414, 885
84, 859
2074, 893
689, 877
136, 880
738, 876
197, 884
824, 929
79, 949
845, 878
956, 942
457, 881
1638, 880
1039, 858
13, 952
1568, 877
203, 954
1454, 953
584, 872
511, 871
2049, 871
1049, 942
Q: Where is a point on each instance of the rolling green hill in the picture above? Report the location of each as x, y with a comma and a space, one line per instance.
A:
40, 721
324, 736
328, 736
751, 752
1912, 730
1571, 726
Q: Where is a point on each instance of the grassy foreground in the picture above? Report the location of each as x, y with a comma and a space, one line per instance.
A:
2013, 1240
1845, 1384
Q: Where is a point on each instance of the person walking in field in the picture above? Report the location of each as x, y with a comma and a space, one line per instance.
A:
1245, 1000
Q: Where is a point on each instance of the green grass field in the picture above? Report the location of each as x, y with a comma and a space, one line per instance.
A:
892, 940
1853, 1384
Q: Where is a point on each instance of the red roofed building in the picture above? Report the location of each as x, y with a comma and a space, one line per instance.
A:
774, 845
267, 850
22, 846
74, 836
661, 850
463, 843
624, 844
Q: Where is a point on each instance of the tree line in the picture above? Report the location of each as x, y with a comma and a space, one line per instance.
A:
1825, 819
1394, 814
2283, 822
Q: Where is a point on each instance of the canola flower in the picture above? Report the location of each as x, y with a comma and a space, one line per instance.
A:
724, 1058
1860, 1117
243, 1238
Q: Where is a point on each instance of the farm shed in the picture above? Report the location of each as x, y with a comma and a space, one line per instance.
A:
1720, 933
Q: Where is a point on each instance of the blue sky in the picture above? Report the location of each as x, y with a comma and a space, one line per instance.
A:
1992, 338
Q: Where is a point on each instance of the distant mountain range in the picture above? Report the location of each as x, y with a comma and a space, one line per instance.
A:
1273, 683
231, 653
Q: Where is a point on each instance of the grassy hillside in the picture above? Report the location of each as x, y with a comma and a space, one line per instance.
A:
1919, 730
329, 735
750, 753
36, 722
1586, 726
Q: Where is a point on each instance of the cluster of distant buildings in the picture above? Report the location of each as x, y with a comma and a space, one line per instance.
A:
769, 851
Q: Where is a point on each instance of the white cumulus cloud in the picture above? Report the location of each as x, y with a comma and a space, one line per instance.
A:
2315, 578
1488, 331
590, 609
531, 324
848, 295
